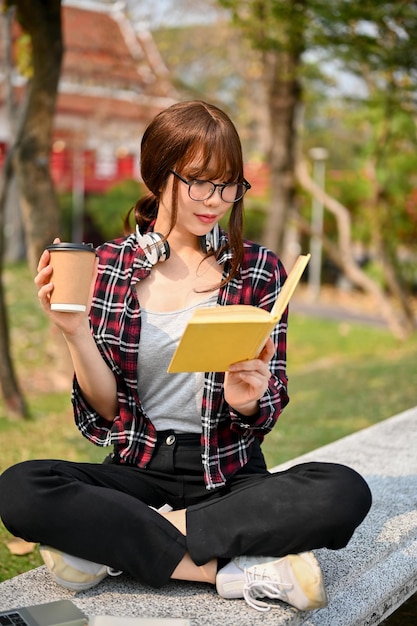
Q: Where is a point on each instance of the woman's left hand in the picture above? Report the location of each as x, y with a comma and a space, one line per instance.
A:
246, 382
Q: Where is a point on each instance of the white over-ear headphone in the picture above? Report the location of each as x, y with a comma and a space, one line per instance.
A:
157, 249
153, 245
211, 241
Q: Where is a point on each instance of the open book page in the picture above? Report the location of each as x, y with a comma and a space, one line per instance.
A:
289, 286
214, 338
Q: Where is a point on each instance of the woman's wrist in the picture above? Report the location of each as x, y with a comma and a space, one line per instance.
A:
248, 410
79, 334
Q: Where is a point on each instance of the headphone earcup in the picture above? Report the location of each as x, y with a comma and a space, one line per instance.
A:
211, 241
153, 245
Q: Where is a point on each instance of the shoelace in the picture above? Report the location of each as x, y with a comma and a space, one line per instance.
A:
258, 585
114, 572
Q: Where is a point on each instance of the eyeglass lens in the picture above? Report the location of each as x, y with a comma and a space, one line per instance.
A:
202, 190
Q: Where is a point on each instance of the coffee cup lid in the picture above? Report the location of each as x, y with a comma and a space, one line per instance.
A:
63, 245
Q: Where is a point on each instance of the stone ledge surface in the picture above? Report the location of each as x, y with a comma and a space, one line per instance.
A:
366, 581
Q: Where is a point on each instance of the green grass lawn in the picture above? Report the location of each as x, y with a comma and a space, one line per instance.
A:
342, 377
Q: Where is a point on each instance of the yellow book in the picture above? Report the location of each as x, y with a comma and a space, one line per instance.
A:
216, 337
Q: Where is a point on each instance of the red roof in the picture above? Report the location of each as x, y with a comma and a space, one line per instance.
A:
109, 72
97, 52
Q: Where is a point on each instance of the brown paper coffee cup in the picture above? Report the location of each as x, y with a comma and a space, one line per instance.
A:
72, 272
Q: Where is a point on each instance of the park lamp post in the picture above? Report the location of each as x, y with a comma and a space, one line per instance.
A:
319, 157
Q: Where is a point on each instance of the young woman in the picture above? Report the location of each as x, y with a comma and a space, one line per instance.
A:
186, 493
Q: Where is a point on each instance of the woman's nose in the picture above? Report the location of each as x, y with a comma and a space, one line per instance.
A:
215, 198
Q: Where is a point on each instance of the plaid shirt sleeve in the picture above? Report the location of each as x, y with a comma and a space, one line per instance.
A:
115, 324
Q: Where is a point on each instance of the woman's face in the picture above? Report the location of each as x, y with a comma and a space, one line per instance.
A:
194, 218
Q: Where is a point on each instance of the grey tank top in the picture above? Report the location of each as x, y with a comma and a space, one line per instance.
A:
171, 401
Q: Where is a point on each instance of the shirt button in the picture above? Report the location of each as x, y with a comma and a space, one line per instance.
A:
170, 440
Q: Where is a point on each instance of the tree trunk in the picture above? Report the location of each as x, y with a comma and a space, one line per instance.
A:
281, 70
41, 19
28, 159
13, 398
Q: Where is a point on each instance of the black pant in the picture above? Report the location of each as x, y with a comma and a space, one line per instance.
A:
101, 512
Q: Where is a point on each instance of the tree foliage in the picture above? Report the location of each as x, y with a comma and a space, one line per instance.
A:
107, 211
374, 44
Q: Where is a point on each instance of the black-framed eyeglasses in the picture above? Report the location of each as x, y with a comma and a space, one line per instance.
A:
200, 190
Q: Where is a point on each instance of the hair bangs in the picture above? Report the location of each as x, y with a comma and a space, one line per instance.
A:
215, 154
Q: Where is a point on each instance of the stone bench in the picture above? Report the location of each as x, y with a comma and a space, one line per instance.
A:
366, 581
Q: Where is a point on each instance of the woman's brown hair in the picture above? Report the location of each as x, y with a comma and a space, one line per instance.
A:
186, 133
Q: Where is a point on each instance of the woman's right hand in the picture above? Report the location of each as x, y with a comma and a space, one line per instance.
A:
43, 281
68, 323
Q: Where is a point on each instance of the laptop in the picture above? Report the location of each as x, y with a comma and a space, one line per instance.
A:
65, 613
59, 613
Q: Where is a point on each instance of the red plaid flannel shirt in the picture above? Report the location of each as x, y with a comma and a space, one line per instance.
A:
115, 321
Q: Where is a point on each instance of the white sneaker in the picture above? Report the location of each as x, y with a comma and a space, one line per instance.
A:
72, 572
295, 579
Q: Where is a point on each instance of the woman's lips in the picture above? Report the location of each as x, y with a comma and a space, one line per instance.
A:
205, 218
